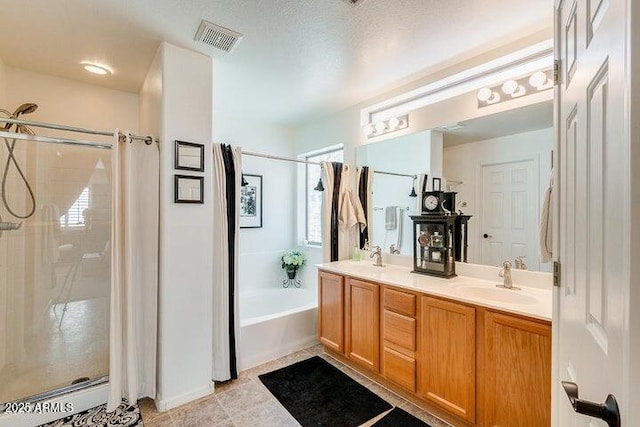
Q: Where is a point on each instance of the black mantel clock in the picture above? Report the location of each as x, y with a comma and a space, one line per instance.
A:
434, 245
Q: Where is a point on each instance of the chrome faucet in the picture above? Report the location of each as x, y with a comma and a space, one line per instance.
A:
520, 265
393, 250
506, 274
378, 254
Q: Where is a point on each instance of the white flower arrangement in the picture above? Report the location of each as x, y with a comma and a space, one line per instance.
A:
292, 259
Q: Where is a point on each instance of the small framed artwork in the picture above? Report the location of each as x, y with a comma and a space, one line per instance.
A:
188, 189
439, 182
251, 202
189, 156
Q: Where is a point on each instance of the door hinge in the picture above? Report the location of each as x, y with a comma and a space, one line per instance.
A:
556, 72
556, 273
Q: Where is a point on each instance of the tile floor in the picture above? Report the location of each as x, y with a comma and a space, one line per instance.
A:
247, 402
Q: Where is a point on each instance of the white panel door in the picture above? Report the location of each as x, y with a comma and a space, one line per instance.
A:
509, 213
589, 306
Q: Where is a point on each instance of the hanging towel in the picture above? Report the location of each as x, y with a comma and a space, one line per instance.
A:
394, 236
350, 211
546, 225
390, 217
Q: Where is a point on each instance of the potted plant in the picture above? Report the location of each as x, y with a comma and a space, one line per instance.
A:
292, 260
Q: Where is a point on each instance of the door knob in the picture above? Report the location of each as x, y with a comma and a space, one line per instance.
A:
607, 411
487, 236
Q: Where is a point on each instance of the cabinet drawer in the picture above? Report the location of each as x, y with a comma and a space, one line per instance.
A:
400, 369
400, 330
401, 302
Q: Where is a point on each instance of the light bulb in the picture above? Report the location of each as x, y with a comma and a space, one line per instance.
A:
484, 94
394, 122
381, 127
538, 79
510, 87
369, 130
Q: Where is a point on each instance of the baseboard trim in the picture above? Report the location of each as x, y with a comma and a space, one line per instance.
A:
163, 405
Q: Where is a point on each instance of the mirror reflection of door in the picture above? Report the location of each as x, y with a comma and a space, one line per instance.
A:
509, 214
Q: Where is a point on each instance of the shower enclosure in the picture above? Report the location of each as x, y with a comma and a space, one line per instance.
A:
54, 266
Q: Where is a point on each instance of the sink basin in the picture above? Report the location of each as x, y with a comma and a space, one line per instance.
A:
507, 296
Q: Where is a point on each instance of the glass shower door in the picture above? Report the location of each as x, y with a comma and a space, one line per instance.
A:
54, 268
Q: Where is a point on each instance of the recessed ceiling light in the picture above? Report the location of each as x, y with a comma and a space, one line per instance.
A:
96, 69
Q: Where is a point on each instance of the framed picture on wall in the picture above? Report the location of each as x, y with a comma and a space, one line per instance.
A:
189, 156
251, 202
188, 189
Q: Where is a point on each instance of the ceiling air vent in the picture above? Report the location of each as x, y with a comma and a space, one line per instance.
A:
354, 3
217, 36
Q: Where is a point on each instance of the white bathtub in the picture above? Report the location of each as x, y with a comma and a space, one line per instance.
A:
275, 322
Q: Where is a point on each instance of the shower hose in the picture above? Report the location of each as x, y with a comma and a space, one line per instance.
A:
10, 143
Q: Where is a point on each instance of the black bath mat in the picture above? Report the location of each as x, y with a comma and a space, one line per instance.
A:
319, 394
399, 417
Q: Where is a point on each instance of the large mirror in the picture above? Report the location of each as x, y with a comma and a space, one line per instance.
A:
500, 167
395, 163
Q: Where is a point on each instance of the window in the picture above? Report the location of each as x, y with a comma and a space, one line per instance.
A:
74, 216
313, 234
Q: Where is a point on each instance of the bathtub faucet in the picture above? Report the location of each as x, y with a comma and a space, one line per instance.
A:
378, 254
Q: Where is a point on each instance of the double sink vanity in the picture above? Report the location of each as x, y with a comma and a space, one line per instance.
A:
463, 348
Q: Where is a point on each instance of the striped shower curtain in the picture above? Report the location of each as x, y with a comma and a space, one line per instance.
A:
227, 178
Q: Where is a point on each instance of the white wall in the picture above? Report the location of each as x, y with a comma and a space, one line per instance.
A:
186, 231
71, 103
260, 248
463, 162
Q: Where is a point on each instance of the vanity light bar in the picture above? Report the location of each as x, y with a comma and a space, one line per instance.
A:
383, 127
516, 88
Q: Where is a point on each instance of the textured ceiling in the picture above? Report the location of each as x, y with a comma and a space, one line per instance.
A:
298, 59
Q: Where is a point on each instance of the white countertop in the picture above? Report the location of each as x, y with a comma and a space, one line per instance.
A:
529, 301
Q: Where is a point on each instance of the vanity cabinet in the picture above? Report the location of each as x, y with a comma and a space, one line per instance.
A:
448, 354
517, 383
471, 365
399, 343
362, 323
331, 310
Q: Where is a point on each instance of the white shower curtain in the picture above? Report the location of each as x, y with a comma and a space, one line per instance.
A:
134, 271
227, 179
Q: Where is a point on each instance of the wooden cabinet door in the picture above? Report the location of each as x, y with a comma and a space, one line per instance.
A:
331, 310
448, 356
362, 319
517, 389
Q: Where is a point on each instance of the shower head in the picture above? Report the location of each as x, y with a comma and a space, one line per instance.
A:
27, 108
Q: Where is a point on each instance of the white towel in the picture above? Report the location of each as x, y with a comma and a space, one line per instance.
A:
390, 217
350, 210
394, 236
546, 226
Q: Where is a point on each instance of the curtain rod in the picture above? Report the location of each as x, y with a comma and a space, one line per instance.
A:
147, 139
290, 159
